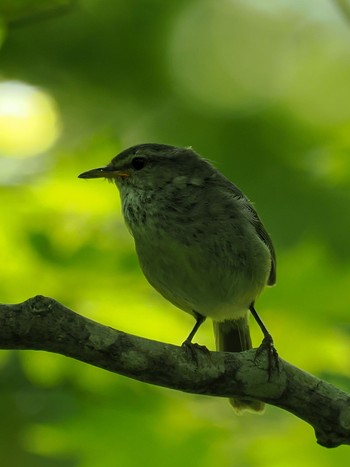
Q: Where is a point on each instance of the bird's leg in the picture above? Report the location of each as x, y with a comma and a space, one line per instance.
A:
187, 344
267, 343
199, 321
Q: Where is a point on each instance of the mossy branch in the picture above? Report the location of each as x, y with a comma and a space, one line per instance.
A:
42, 323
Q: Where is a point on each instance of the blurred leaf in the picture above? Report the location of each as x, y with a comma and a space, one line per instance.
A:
24, 12
260, 89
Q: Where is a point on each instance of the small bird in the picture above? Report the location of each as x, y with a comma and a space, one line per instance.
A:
199, 241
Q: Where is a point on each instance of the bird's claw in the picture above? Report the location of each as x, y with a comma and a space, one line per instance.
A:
267, 345
192, 350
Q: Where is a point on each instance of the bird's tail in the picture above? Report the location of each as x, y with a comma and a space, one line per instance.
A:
234, 336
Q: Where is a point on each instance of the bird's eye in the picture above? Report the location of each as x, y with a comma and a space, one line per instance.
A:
138, 163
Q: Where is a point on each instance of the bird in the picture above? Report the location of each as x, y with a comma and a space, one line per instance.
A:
199, 241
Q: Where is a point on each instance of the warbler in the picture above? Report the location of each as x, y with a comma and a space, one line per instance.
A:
199, 241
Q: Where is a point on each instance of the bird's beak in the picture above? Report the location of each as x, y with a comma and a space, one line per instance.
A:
104, 172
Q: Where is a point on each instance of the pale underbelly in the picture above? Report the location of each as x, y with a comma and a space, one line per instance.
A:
217, 288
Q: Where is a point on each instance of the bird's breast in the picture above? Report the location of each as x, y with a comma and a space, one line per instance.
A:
212, 262
201, 276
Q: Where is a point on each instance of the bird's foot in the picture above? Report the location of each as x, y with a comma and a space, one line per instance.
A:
193, 349
267, 345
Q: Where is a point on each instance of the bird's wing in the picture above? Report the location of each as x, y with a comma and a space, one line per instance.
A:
260, 230
265, 237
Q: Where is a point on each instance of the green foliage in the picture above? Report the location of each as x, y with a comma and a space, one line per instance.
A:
22, 12
259, 88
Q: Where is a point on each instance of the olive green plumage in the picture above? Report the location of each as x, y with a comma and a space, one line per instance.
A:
199, 241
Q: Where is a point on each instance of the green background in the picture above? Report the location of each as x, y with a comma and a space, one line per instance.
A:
262, 89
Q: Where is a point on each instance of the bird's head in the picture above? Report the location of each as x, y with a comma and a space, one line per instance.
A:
151, 166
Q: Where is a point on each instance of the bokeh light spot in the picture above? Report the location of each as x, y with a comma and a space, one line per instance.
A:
29, 122
215, 58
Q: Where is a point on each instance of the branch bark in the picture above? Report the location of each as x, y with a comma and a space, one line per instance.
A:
41, 323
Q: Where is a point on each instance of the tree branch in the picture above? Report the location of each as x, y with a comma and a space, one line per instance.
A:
42, 323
